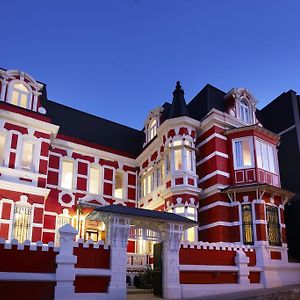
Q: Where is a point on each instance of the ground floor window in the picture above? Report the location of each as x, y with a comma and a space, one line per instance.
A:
273, 225
247, 224
22, 222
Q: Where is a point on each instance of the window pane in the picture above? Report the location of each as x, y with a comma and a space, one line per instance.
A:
149, 185
20, 87
67, 175
247, 159
2, 148
191, 234
178, 159
179, 210
94, 180
15, 98
119, 186
258, 153
22, 222
27, 156
23, 100
271, 159
177, 143
238, 154
189, 161
247, 224
274, 236
167, 164
191, 210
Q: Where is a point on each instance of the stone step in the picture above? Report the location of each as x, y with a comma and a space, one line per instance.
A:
132, 291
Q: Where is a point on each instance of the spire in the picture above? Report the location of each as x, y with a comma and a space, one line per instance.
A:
178, 107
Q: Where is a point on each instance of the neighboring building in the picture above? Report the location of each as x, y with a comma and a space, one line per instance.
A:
282, 116
210, 160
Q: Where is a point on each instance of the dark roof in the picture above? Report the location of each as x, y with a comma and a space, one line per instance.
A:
178, 107
208, 98
93, 129
139, 212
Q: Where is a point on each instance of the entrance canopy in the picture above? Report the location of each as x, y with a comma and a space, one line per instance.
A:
142, 221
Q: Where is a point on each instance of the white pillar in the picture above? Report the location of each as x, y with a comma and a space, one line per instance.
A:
241, 260
65, 272
170, 260
118, 232
3, 89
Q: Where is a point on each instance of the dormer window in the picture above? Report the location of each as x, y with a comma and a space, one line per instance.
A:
20, 95
244, 112
152, 129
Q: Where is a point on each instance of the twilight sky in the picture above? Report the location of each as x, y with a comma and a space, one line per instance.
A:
120, 59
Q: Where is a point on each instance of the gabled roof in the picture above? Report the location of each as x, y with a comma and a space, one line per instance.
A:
93, 129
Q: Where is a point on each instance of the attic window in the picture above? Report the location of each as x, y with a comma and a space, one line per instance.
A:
244, 112
19, 95
152, 129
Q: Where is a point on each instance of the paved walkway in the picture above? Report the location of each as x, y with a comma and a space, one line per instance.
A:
279, 293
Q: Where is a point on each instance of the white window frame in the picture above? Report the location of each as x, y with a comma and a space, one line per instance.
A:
92, 166
61, 173
123, 184
250, 140
11, 89
275, 156
245, 110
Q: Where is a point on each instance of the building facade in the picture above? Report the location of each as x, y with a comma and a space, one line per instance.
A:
210, 160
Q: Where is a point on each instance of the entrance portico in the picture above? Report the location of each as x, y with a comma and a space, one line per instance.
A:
123, 222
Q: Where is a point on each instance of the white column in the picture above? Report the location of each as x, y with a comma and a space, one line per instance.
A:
118, 232
65, 272
241, 260
3, 89
170, 262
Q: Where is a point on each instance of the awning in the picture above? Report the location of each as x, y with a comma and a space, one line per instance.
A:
139, 217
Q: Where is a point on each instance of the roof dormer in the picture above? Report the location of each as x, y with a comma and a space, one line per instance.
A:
20, 89
152, 123
242, 105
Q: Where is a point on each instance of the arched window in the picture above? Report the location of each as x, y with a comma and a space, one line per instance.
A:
118, 185
19, 95
244, 112
152, 129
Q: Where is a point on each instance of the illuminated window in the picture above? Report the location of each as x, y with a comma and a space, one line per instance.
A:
190, 213
61, 220
152, 129
20, 95
27, 156
2, 149
94, 180
118, 186
243, 157
167, 164
189, 160
273, 225
178, 159
244, 112
266, 156
67, 175
22, 222
247, 224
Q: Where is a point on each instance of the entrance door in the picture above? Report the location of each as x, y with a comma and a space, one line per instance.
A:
157, 274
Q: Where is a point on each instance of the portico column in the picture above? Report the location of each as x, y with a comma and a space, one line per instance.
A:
170, 260
118, 232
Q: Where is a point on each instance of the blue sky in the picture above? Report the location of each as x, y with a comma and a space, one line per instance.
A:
120, 59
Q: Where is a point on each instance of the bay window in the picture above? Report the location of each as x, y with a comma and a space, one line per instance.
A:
178, 159
94, 180
266, 156
67, 174
183, 155
243, 153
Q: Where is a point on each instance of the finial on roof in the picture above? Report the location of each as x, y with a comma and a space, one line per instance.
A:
178, 84
178, 107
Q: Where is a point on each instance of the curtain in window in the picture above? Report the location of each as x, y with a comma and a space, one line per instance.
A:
239, 154
247, 224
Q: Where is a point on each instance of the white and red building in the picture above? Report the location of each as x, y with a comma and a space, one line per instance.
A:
210, 160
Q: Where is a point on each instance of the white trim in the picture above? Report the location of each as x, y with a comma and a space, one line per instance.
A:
217, 172
215, 153
214, 135
218, 223
208, 268
214, 204
20, 276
